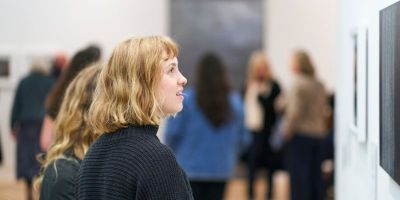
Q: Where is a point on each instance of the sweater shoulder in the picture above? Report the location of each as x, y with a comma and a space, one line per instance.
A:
137, 147
150, 149
59, 179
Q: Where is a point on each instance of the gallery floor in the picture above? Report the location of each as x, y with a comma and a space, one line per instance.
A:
236, 189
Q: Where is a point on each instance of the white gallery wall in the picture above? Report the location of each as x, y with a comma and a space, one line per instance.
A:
305, 24
358, 173
46, 27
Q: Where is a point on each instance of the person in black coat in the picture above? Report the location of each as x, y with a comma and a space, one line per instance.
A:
262, 92
26, 121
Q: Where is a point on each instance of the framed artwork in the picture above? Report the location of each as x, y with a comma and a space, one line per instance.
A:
8, 60
360, 84
231, 29
5, 65
389, 61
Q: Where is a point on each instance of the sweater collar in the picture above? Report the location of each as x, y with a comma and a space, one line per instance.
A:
132, 130
150, 129
137, 129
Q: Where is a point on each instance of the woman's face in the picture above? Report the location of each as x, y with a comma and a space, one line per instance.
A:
171, 86
261, 72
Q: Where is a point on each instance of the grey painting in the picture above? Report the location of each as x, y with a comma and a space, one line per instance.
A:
4, 67
355, 80
232, 29
390, 90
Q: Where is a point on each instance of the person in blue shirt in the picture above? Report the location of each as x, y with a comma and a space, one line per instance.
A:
209, 133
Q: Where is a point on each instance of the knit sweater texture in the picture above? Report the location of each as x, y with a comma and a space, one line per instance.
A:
131, 163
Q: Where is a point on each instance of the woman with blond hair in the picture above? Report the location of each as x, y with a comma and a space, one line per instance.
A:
305, 116
72, 139
140, 84
261, 95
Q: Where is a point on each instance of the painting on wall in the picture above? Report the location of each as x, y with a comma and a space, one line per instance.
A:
231, 29
4, 66
355, 81
360, 83
7, 61
390, 90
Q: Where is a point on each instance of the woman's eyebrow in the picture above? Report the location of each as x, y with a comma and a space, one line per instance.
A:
174, 63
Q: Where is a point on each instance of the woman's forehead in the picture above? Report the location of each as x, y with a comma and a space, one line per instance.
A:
168, 54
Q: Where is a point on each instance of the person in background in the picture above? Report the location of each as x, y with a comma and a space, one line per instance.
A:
140, 84
209, 133
80, 60
58, 65
26, 120
1, 151
72, 139
305, 129
261, 95
328, 149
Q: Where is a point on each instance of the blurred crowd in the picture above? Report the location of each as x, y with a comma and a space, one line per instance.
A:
263, 127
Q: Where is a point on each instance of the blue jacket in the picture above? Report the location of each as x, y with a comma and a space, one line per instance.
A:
207, 153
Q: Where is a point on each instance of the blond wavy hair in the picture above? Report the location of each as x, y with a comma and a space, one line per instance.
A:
258, 60
71, 128
127, 87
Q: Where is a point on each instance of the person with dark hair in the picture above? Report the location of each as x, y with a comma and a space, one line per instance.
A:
79, 61
208, 134
26, 120
58, 64
305, 129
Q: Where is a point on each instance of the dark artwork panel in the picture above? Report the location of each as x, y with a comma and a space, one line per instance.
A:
232, 29
4, 67
366, 80
355, 80
390, 90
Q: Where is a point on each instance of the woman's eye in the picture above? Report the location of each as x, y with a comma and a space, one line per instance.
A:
172, 69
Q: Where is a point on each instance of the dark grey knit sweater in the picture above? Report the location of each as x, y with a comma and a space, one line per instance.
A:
131, 163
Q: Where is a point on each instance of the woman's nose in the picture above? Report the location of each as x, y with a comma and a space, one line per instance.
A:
182, 80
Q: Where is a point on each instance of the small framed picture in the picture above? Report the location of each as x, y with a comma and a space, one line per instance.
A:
7, 68
360, 84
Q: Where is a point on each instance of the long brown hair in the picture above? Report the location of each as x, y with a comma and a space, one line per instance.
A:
212, 88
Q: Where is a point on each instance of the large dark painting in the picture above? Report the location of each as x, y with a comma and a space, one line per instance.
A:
390, 90
232, 29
